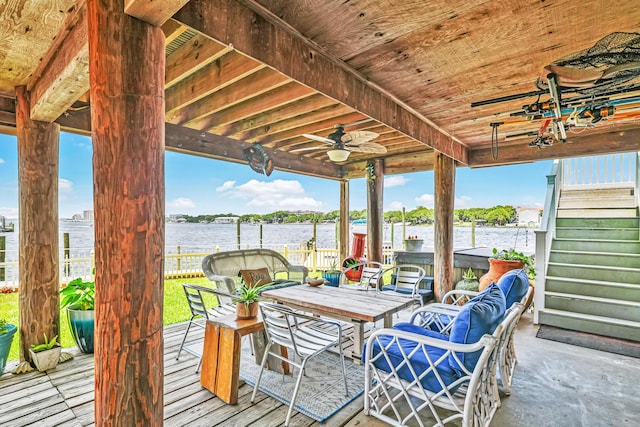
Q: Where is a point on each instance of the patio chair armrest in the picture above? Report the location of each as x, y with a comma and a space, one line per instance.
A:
454, 296
228, 282
216, 292
432, 309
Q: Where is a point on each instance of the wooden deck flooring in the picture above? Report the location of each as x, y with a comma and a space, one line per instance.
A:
64, 396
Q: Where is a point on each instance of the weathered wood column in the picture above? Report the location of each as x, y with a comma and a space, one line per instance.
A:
444, 191
343, 249
126, 65
39, 298
375, 211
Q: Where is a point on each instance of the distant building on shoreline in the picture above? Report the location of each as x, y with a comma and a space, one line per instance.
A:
528, 217
226, 220
87, 215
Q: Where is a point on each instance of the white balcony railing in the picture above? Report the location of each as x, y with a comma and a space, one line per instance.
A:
606, 170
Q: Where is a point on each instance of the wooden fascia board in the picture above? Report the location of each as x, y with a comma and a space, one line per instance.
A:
155, 12
196, 142
618, 141
418, 161
235, 24
63, 76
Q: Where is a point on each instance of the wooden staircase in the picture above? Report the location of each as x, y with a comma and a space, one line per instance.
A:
593, 272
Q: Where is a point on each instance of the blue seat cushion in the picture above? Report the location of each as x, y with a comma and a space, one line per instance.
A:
406, 291
419, 361
410, 327
514, 285
480, 316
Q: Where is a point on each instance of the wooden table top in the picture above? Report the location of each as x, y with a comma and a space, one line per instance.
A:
355, 304
244, 326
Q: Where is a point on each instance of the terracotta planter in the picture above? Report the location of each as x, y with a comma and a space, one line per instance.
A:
357, 254
497, 267
246, 312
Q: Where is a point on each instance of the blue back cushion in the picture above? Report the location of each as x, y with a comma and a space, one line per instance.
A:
478, 317
514, 285
419, 361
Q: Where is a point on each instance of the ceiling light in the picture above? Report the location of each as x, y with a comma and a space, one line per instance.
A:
338, 155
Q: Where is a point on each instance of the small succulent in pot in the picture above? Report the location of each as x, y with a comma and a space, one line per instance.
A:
247, 301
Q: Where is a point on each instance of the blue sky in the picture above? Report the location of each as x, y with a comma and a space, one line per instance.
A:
195, 185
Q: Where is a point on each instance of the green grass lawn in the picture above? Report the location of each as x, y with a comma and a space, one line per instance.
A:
175, 310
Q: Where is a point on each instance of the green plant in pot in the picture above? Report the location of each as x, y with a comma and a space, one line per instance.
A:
79, 299
247, 301
469, 281
502, 261
7, 331
46, 356
332, 275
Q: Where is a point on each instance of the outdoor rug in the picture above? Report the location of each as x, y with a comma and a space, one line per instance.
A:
596, 342
321, 391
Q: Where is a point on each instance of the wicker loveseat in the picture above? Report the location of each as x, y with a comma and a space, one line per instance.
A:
223, 268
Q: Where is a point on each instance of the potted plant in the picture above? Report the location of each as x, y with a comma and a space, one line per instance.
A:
7, 331
332, 275
247, 302
469, 281
46, 356
413, 244
502, 261
79, 299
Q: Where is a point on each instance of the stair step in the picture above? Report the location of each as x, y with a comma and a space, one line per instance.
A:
593, 288
595, 306
626, 190
598, 213
600, 325
597, 233
598, 222
596, 245
595, 258
597, 202
594, 272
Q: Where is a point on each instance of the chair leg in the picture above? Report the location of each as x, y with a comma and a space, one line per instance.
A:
295, 392
262, 365
344, 371
184, 339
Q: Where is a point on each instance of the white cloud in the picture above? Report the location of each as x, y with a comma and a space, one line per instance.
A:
277, 195
9, 212
228, 185
1, 160
425, 200
394, 181
64, 185
181, 203
396, 206
462, 202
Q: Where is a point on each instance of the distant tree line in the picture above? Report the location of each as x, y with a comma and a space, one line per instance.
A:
497, 215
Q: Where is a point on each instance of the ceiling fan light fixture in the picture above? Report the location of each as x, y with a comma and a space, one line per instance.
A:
339, 155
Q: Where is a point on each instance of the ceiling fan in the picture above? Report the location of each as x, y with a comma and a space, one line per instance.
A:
343, 143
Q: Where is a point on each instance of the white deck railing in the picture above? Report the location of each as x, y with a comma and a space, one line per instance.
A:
606, 170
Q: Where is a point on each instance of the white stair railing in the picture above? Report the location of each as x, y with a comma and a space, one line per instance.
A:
599, 171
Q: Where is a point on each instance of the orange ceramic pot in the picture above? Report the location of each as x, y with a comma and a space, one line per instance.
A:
497, 267
246, 312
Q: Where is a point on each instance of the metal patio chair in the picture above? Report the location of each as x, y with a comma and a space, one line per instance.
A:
288, 328
370, 276
200, 313
406, 283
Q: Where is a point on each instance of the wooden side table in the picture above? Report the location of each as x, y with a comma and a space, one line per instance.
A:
221, 354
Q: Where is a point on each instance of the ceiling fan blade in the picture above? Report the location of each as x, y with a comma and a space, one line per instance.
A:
307, 149
368, 147
358, 137
319, 138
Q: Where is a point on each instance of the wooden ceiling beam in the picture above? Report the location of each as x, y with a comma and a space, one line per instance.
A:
63, 75
214, 76
619, 141
231, 22
155, 12
192, 56
418, 161
172, 29
321, 126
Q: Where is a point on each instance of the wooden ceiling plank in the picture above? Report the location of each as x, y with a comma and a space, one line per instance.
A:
172, 29
275, 98
418, 161
192, 56
287, 110
325, 126
233, 23
196, 142
619, 141
63, 76
155, 12
262, 133
214, 76
263, 80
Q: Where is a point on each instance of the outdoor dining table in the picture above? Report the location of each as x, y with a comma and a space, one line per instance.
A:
354, 306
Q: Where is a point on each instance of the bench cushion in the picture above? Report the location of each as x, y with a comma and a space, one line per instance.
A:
480, 316
514, 285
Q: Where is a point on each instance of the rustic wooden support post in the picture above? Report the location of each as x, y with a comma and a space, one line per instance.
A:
66, 254
39, 298
260, 236
126, 65
3, 251
238, 232
375, 213
444, 183
343, 243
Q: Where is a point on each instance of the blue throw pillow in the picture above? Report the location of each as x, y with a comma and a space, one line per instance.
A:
514, 285
478, 317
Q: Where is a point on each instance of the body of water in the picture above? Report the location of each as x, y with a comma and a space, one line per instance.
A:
204, 238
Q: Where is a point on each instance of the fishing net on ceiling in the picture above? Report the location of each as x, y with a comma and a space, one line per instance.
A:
614, 61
